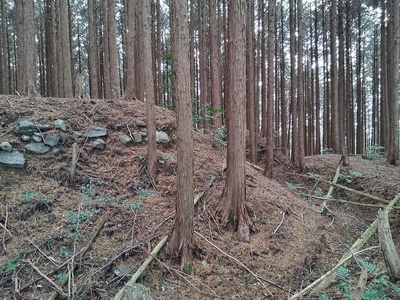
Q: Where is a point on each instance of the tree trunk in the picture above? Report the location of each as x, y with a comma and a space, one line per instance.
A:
92, 51
293, 83
250, 86
232, 204
269, 154
393, 80
5, 84
26, 68
181, 241
113, 52
334, 79
215, 64
148, 96
65, 49
300, 91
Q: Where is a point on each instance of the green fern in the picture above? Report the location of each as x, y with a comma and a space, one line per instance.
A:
343, 281
371, 268
378, 287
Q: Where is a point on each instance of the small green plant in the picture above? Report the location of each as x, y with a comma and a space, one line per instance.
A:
206, 113
12, 264
378, 288
293, 186
351, 177
219, 135
374, 152
61, 277
326, 150
32, 202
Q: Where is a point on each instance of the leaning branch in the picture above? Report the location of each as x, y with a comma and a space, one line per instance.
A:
325, 280
376, 198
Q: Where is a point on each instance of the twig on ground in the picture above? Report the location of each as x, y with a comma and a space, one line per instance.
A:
5, 229
235, 260
56, 286
8, 131
74, 162
130, 133
184, 275
280, 224
88, 118
83, 252
52, 260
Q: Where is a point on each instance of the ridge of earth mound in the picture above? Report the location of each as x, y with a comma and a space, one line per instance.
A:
49, 222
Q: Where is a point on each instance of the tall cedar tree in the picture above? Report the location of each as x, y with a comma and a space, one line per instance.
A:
269, 154
92, 51
181, 241
232, 204
250, 85
148, 90
393, 48
26, 70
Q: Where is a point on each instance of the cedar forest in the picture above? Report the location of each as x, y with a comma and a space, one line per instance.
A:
267, 80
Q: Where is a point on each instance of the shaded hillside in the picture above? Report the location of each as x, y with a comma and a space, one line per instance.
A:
48, 223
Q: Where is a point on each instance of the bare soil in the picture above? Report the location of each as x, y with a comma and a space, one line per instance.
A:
47, 223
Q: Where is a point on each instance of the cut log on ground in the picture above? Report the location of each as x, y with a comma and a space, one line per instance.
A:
390, 255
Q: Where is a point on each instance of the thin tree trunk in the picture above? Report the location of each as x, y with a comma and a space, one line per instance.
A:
181, 241
393, 81
215, 66
113, 52
149, 96
232, 204
250, 86
269, 154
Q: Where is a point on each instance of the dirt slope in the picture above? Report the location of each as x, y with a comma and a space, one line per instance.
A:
48, 222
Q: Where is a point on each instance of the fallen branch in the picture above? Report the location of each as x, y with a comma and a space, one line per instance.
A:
72, 173
235, 260
329, 273
83, 252
153, 253
57, 287
325, 280
207, 187
390, 255
144, 265
376, 198
280, 224
5, 229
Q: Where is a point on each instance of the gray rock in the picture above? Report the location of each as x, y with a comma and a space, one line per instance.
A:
98, 144
6, 146
140, 124
76, 134
12, 159
162, 137
143, 133
136, 291
138, 137
63, 138
124, 139
37, 137
60, 124
96, 132
25, 138
38, 148
26, 127
52, 140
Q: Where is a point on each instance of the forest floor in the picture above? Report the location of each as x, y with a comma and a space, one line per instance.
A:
47, 224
